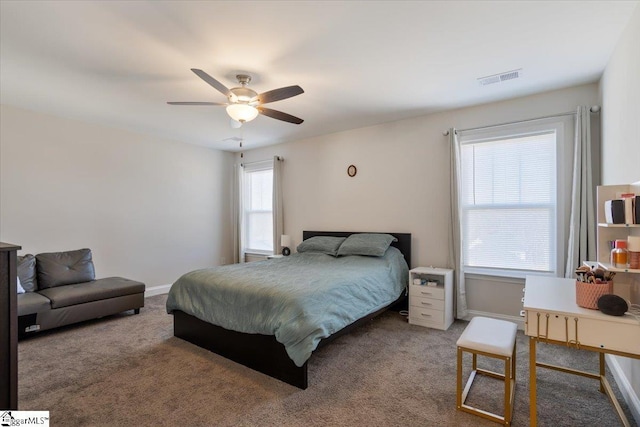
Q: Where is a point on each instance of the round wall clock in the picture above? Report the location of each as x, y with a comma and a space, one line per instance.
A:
352, 171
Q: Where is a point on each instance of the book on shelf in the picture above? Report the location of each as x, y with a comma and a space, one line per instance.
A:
629, 211
614, 211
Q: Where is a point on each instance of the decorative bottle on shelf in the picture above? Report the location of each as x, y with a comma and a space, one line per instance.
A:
620, 254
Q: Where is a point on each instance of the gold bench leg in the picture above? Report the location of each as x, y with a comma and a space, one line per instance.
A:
459, 380
509, 379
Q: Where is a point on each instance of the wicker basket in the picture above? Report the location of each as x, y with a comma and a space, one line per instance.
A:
587, 294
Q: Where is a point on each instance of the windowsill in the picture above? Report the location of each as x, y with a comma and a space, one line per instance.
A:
484, 273
258, 253
494, 278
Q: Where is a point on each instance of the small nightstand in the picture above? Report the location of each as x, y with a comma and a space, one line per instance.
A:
431, 306
274, 256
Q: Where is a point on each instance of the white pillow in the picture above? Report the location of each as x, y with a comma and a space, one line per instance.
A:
20, 288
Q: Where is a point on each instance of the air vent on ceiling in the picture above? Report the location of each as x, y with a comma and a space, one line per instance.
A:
501, 77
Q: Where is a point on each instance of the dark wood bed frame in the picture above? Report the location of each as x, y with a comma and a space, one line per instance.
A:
262, 352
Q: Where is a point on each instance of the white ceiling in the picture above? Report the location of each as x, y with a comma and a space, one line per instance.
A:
360, 63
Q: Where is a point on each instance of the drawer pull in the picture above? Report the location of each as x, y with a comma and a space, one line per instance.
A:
426, 293
425, 303
425, 315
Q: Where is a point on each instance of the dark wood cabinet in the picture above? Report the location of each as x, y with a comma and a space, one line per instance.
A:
8, 326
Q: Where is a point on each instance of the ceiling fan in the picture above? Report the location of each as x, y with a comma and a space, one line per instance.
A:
244, 103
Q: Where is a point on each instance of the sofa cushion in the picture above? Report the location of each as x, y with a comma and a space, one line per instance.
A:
79, 293
32, 302
27, 272
64, 268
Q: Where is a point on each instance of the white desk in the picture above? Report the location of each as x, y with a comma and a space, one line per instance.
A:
552, 316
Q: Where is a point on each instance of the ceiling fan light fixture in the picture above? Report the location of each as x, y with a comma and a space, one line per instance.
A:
242, 112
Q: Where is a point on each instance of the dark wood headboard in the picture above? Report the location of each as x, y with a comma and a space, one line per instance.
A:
403, 243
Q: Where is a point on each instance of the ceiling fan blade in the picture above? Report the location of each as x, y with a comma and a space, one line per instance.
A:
279, 115
196, 103
279, 94
213, 82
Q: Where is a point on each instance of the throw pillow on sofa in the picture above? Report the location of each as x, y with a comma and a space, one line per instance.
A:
64, 268
20, 288
27, 272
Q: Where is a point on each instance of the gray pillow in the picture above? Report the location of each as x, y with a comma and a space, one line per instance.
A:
27, 272
324, 244
370, 244
64, 268
20, 288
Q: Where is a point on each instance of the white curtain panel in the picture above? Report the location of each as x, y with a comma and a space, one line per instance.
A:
582, 237
238, 246
455, 235
278, 217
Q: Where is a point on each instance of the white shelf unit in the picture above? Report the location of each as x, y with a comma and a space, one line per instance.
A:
606, 233
431, 306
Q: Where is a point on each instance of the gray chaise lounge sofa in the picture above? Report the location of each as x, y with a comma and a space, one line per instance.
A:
60, 289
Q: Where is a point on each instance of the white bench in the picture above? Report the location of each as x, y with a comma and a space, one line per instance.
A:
492, 338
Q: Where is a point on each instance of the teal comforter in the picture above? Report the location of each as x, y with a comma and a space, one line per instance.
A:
300, 299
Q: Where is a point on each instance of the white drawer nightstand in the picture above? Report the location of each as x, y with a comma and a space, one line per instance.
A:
431, 306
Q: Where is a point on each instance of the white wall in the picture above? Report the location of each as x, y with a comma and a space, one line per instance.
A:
402, 183
149, 209
620, 94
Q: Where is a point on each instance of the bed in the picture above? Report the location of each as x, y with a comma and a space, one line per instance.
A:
271, 315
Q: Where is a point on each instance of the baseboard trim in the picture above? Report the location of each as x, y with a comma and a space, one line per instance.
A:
628, 393
515, 319
157, 290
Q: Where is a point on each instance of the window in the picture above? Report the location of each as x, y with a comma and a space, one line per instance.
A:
258, 208
509, 200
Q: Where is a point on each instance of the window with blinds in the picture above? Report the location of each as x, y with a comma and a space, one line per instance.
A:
258, 208
509, 203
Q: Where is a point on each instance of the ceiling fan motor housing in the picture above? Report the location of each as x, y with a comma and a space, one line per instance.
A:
243, 95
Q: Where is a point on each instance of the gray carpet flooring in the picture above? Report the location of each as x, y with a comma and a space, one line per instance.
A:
130, 370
